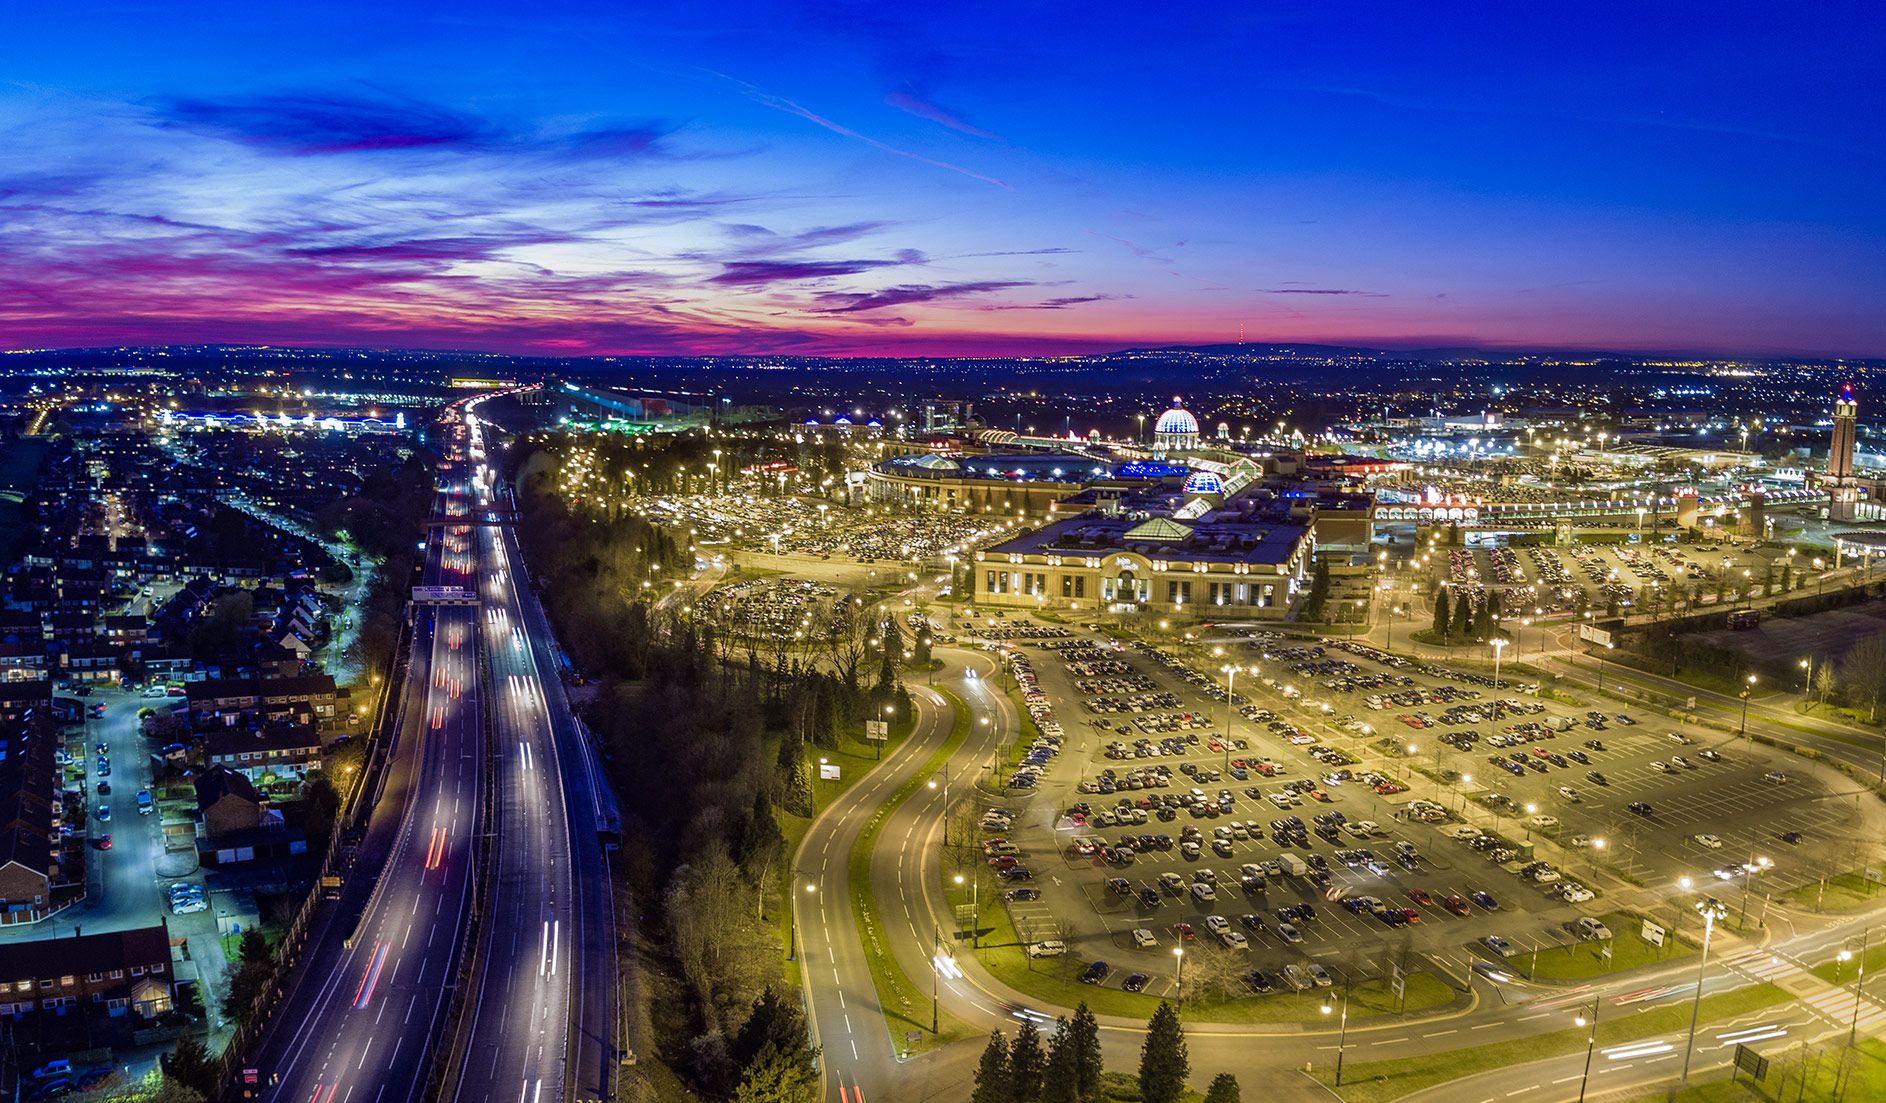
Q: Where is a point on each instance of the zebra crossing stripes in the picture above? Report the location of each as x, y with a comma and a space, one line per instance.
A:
1836, 1005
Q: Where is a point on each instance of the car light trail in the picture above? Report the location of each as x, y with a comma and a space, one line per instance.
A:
364, 994
523, 754
436, 851
1752, 1034
1638, 1049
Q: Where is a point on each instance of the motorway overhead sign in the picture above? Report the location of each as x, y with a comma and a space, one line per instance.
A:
443, 595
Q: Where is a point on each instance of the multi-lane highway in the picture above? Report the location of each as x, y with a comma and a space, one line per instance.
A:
542, 1017
359, 1023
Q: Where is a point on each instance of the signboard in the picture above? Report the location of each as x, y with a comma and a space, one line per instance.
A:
1605, 950
1597, 635
1653, 934
1872, 874
877, 730
912, 1037
1400, 984
1747, 1060
828, 772
965, 913
450, 595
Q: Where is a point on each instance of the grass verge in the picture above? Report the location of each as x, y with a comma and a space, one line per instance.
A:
1628, 951
1842, 893
1385, 1081
898, 994
1816, 1074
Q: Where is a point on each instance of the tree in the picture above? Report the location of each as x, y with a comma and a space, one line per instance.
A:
1084, 1042
1824, 683
992, 1075
775, 1077
1463, 615
1224, 1089
1864, 670
1026, 1061
1058, 1079
253, 949
1163, 1061
1440, 617
189, 1066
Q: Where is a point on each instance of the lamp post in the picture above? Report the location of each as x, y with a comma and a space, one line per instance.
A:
1178, 957
1711, 910
1602, 655
1591, 1043
1231, 677
946, 802
1499, 646
792, 914
1746, 690
1749, 870
1465, 780
1859, 978
975, 907
1342, 1034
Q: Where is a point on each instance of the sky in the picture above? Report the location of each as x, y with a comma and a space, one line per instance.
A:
962, 178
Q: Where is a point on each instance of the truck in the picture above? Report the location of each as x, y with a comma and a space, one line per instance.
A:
1558, 723
1293, 866
144, 802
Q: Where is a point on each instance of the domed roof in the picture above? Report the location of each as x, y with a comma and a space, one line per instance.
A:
842, 421
1204, 482
811, 421
1176, 421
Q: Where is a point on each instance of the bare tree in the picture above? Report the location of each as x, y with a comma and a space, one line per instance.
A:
1864, 671
1824, 683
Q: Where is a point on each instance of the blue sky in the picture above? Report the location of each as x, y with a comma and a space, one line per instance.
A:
872, 178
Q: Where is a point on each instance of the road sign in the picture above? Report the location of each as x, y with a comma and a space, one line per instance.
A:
1606, 950
1400, 986
1873, 874
912, 1037
444, 595
1751, 1062
828, 772
1653, 934
877, 730
965, 913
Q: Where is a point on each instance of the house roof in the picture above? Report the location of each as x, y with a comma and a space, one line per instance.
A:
90, 953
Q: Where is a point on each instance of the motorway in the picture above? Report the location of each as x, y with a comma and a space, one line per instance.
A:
359, 1019
548, 958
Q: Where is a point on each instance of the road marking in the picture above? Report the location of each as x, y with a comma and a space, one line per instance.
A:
1522, 1091
1438, 1033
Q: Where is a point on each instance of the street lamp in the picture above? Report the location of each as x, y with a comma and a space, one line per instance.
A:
1602, 656
1499, 646
1231, 677
946, 802
1710, 909
1178, 956
1859, 978
975, 907
1342, 1035
1749, 870
1465, 780
792, 911
1746, 690
1590, 1044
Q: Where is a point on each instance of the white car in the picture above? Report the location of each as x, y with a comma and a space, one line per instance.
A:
1050, 948
1662, 767
1144, 938
1463, 831
1370, 827
1574, 893
1545, 821
1590, 928
1234, 940
1775, 776
1579, 841
1709, 841
1569, 793
1217, 924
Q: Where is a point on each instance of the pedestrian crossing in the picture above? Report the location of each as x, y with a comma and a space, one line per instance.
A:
1836, 1005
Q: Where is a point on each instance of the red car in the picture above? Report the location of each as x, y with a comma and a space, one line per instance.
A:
1318, 794
1004, 861
1184, 931
1387, 787
104, 842
1214, 744
1456, 905
1421, 897
1410, 915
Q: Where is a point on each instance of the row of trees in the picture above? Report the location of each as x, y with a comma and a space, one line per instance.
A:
704, 743
1464, 620
1068, 1068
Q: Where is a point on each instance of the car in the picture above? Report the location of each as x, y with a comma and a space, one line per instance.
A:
1713, 756
1256, 981
1683, 762
53, 1068
1544, 821
104, 842
1662, 767
1793, 837
1574, 893
1149, 897
1234, 940
1421, 897
1144, 938
1252, 921
1096, 972
1320, 976
1639, 808
1569, 793
104, 788
1484, 899
52, 1089
1592, 929
1052, 947
1120, 886
1185, 931
1499, 945
1019, 873
1217, 924
1709, 841
1023, 894
104, 813
1135, 983
1775, 776
1289, 933
1595, 744
1580, 841
1596, 778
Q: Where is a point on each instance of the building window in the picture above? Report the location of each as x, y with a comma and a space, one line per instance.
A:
137, 970
117, 974
45, 984
1080, 585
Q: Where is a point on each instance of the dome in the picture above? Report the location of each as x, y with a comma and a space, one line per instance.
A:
842, 421
1204, 482
811, 421
1177, 422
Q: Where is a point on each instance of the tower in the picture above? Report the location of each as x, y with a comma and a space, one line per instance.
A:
1843, 490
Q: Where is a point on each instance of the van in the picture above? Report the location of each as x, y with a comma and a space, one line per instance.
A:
1204, 893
